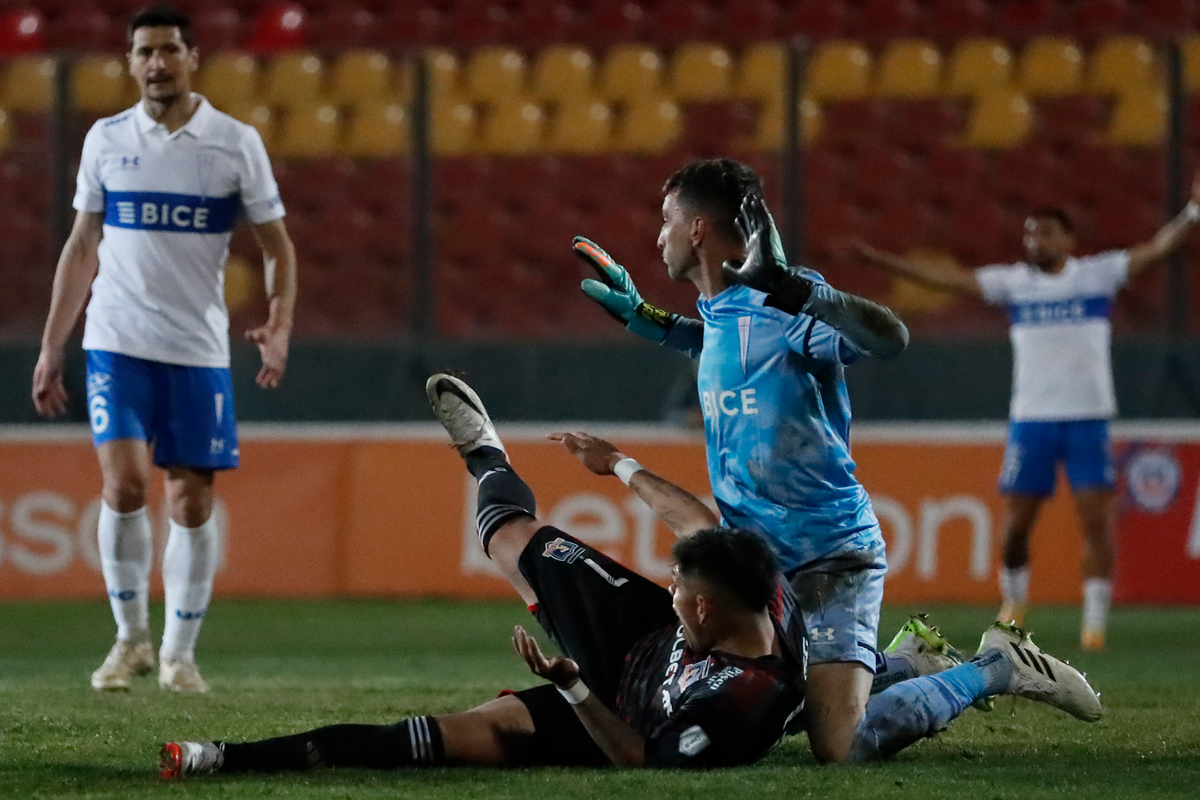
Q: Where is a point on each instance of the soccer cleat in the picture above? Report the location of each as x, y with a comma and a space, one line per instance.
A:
185, 759
126, 660
924, 646
461, 413
1040, 676
1092, 641
1012, 612
181, 676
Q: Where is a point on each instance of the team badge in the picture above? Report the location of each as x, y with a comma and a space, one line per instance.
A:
693, 672
562, 550
692, 741
1154, 477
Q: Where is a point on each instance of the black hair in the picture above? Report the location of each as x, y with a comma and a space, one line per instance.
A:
1056, 214
734, 560
716, 187
162, 16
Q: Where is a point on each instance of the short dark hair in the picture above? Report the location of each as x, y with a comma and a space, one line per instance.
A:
734, 560
716, 186
162, 16
1055, 213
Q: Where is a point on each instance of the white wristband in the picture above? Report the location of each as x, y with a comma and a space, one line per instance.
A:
625, 468
576, 694
1191, 212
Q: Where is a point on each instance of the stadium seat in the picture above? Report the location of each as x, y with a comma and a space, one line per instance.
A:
341, 27
543, 23
761, 73
829, 224
1000, 118
979, 232
217, 28
377, 131
700, 72
615, 22
977, 65
1024, 174
294, 78
650, 124
1189, 46
451, 126
404, 25
228, 77
952, 20
1062, 121
1123, 65
1093, 172
922, 124
22, 32
360, 76
1120, 223
954, 173
99, 84
494, 74
1139, 119
256, 113
630, 72
909, 68
563, 72
818, 20
1164, 18
6, 131
768, 131
444, 73
28, 83
881, 21
1023, 19
901, 225
678, 22
1050, 66
1092, 20
512, 126
84, 26
854, 124
308, 130
474, 25
881, 173
839, 70
716, 127
750, 21
580, 127
278, 26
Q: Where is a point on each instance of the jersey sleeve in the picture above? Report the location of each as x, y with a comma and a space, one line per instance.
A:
89, 191
995, 281
686, 336
1110, 269
260, 193
810, 337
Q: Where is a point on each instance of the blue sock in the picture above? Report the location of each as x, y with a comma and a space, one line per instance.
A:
890, 670
916, 708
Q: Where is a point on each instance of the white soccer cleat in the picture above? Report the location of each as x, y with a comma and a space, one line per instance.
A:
461, 413
924, 646
1040, 676
125, 661
181, 676
185, 759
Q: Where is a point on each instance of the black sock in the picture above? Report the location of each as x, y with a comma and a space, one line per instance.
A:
414, 742
503, 496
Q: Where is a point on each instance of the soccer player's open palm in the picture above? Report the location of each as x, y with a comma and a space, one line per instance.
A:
558, 670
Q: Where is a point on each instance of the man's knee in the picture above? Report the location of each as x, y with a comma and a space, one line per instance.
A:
125, 491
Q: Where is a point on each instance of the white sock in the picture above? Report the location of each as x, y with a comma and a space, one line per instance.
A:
189, 563
126, 552
1014, 585
1097, 596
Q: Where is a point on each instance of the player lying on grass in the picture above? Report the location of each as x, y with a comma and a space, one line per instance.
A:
709, 673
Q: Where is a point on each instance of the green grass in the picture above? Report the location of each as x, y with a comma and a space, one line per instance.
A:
279, 667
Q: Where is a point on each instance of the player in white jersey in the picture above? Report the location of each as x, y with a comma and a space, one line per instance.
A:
160, 187
1062, 395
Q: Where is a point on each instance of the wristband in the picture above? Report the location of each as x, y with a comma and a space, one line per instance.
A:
625, 468
576, 694
1191, 212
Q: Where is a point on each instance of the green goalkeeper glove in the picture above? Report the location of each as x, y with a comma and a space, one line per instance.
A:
617, 295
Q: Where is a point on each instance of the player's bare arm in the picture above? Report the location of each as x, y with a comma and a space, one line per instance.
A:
679, 509
279, 264
77, 267
620, 742
1169, 237
938, 276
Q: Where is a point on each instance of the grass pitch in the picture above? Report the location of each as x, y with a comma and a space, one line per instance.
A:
279, 667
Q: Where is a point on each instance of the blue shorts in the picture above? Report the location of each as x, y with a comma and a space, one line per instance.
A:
840, 599
185, 413
1035, 448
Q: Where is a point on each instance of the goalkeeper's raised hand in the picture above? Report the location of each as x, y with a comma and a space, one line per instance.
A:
617, 295
764, 268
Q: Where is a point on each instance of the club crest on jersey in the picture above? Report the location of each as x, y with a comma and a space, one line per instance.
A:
562, 550
692, 741
694, 672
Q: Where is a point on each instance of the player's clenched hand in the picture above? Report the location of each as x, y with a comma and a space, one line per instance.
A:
272, 344
49, 395
562, 672
617, 295
596, 454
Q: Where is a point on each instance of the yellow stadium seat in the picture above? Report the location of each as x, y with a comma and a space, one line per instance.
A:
839, 70
494, 74
631, 71
378, 130
444, 73
360, 76
308, 131
650, 124
1050, 66
701, 71
227, 78
909, 297
580, 127
761, 73
1139, 119
512, 127
5, 131
1190, 47
563, 72
451, 126
909, 68
256, 113
99, 84
978, 64
295, 79
1123, 64
768, 132
1000, 118
28, 84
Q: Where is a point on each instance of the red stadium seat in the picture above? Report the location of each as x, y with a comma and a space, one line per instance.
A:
522, 181
884, 20
1068, 119
1147, 175
279, 26
952, 20
855, 124
749, 21
385, 186
612, 21
712, 127
979, 232
402, 26
86, 27
901, 226
819, 20
217, 28
343, 27
880, 174
921, 124
22, 32
1026, 174
545, 23
1023, 19
1165, 18
473, 26
1093, 173
825, 174
954, 173
1092, 20
680, 21
828, 225
1120, 223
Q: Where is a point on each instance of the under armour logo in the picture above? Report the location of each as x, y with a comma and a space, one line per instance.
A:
821, 634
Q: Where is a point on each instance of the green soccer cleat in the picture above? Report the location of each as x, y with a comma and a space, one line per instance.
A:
929, 651
1037, 675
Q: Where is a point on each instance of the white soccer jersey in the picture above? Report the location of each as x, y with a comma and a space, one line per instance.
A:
170, 201
1062, 367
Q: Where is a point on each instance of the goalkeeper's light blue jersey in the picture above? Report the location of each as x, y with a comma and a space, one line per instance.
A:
777, 422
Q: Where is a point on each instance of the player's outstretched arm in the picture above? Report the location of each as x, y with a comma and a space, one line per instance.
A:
279, 264
936, 275
77, 267
1169, 237
679, 509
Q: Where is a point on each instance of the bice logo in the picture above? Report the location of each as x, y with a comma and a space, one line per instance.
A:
562, 550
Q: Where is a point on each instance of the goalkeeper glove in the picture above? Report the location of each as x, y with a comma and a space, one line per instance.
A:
617, 295
765, 268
